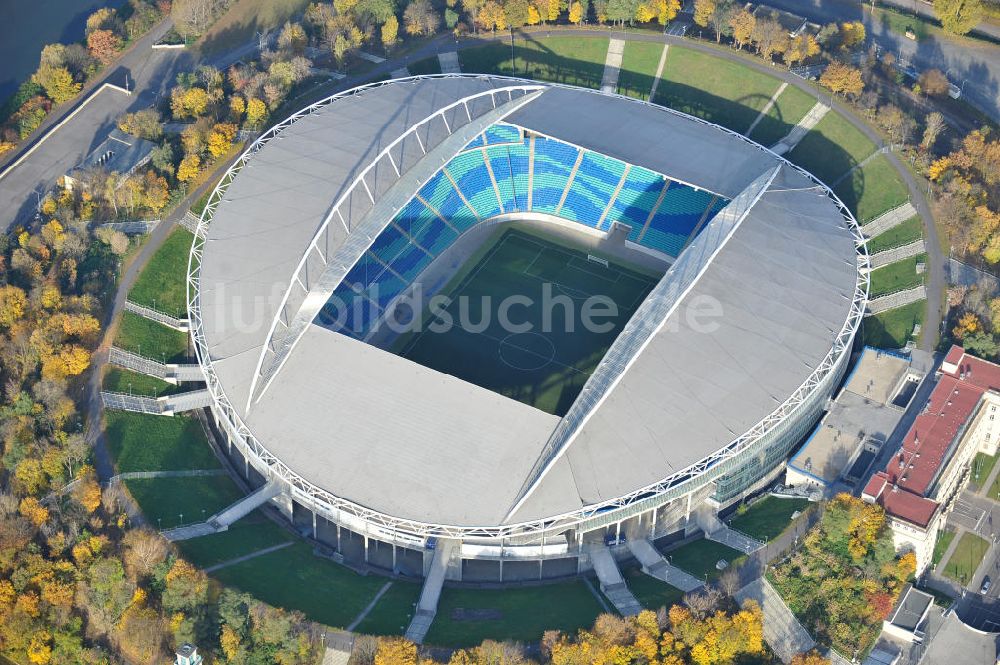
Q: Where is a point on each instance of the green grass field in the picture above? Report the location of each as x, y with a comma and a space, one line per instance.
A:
873, 189
639, 62
768, 517
892, 329
251, 534
651, 592
243, 19
726, 93
118, 380
141, 442
162, 283
521, 614
295, 579
897, 276
994, 491
831, 148
790, 107
392, 614
966, 558
544, 369
165, 500
557, 59
150, 339
903, 234
700, 556
941, 545
426, 66
899, 23
982, 467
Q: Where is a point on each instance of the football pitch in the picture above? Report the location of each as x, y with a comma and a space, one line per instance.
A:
515, 319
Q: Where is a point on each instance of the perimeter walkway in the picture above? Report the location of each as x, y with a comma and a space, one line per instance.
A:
613, 65
799, 131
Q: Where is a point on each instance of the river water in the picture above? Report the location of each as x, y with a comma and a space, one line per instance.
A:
28, 25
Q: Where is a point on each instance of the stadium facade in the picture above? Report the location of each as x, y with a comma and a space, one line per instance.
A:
380, 458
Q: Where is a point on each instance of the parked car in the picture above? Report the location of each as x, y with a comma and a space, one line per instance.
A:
985, 587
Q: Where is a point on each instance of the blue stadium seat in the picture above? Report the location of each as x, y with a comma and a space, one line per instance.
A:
554, 162
679, 213
468, 169
510, 168
592, 188
636, 200
501, 133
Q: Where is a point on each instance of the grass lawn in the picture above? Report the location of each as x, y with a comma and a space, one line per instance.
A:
790, 107
966, 558
892, 329
941, 545
897, 276
393, 612
768, 517
903, 234
162, 283
546, 370
521, 614
252, 533
141, 442
165, 500
295, 579
982, 467
699, 557
726, 93
873, 189
638, 69
151, 339
831, 148
237, 26
558, 59
118, 380
651, 592
426, 66
994, 491
899, 23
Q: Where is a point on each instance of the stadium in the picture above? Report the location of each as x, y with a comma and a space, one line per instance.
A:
507, 455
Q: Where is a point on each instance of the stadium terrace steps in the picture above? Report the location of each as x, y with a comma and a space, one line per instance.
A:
654, 565
782, 631
612, 583
888, 220
897, 253
897, 299
183, 325
169, 372
799, 131
431, 592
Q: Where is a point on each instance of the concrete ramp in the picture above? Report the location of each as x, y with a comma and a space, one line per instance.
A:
799, 131
612, 583
189, 531
449, 62
431, 592
655, 565
246, 505
196, 399
717, 530
782, 631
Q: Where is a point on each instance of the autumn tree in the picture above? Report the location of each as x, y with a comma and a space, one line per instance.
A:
769, 37
934, 83
810, 658
420, 18
220, 139
145, 123
389, 33
703, 10
491, 16
721, 19
934, 124
104, 45
188, 102
57, 82
396, 651
959, 16
800, 48
842, 79
743, 24
189, 168
575, 13
852, 35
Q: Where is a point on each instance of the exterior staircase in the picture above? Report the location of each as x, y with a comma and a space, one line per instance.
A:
612, 583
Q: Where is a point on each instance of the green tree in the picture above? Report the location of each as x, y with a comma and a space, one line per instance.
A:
959, 16
58, 83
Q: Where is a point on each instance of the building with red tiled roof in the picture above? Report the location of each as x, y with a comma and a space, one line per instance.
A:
918, 484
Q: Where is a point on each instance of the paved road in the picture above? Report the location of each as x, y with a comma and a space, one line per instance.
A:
972, 62
148, 72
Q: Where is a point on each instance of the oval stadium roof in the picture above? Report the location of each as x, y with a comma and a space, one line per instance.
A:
395, 437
